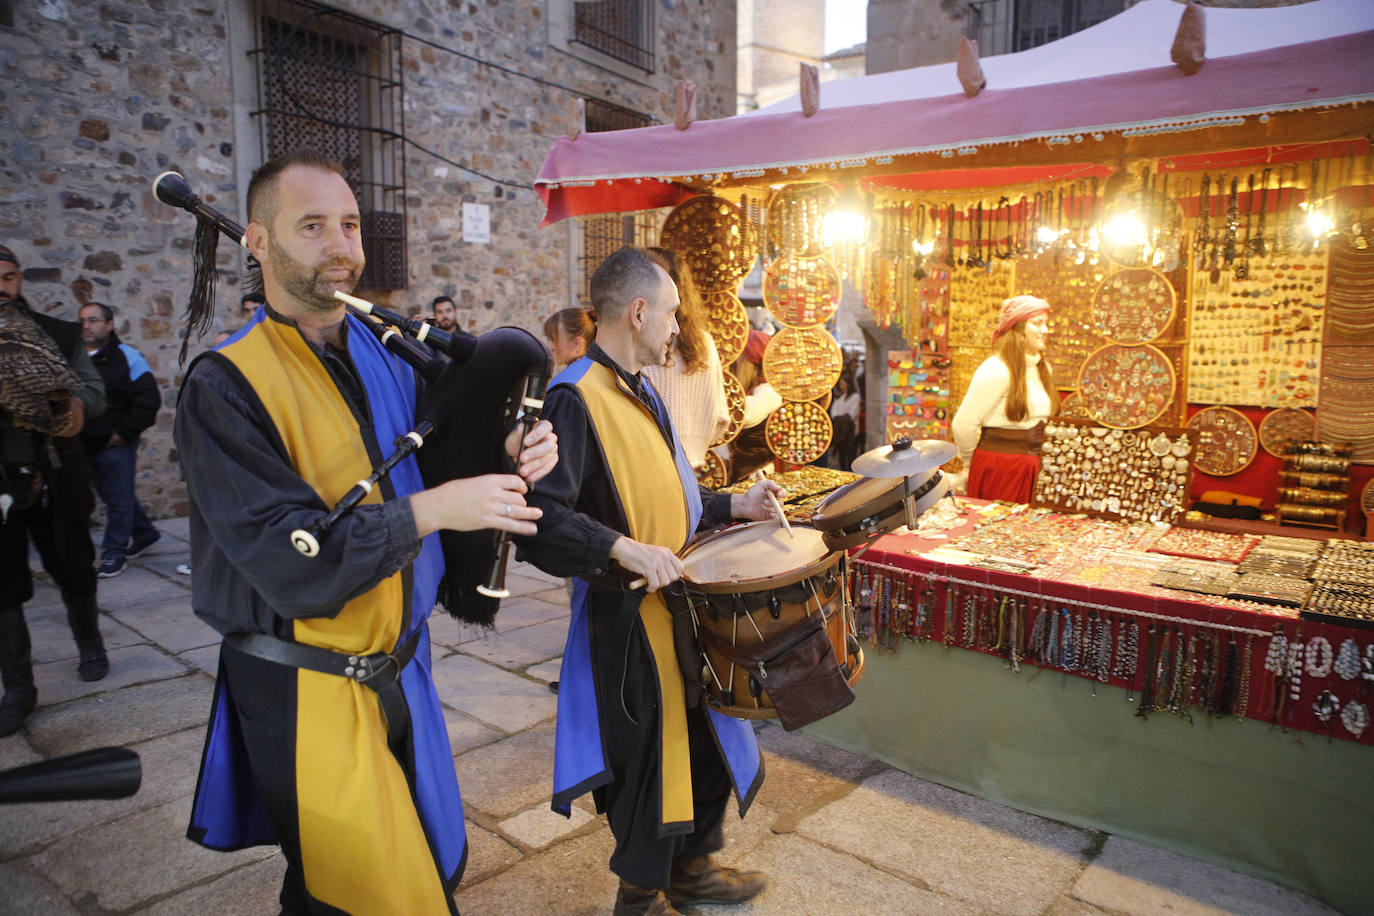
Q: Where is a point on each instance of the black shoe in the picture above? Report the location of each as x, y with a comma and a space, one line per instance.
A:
94, 664
15, 708
140, 546
553, 686
632, 899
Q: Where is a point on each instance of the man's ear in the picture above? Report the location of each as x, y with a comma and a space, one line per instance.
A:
637, 309
255, 239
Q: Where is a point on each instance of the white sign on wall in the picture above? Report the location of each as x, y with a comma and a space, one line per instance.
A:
477, 223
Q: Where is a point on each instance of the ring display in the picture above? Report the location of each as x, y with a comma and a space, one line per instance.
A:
798, 432
727, 322
802, 364
801, 292
1226, 442
715, 238
734, 406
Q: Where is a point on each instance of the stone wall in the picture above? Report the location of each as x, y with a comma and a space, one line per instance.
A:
99, 96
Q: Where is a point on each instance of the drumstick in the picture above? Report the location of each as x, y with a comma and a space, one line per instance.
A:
777, 506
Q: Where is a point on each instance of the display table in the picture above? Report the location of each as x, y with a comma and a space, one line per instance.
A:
1278, 793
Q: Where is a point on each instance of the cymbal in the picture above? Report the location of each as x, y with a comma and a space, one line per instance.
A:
904, 457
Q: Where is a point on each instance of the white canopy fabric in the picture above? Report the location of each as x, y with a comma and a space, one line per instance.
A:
1137, 39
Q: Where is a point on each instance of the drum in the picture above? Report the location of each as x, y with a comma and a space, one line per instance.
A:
773, 623
866, 508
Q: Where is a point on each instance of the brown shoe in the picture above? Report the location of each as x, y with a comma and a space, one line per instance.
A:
633, 899
699, 880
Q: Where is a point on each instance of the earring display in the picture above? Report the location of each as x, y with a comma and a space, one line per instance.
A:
1126, 387
715, 238
728, 324
1226, 443
1067, 283
734, 403
803, 364
1281, 428
798, 432
801, 292
712, 473
1134, 306
1140, 474
799, 220
976, 295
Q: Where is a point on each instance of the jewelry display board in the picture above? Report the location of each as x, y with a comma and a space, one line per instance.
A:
918, 403
1347, 410
1134, 305
728, 324
963, 362
1144, 249
1281, 428
1071, 406
1068, 286
714, 238
734, 405
1126, 387
798, 432
712, 474
803, 364
799, 219
1138, 474
1226, 442
1258, 341
801, 292
976, 295
1350, 295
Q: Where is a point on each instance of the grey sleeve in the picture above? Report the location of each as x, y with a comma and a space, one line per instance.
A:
251, 500
92, 390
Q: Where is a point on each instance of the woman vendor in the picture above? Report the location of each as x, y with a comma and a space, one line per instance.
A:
1000, 423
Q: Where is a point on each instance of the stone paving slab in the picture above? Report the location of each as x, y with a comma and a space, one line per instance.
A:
128, 716
487, 855
466, 733
803, 775
548, 671
520, 582
525, 610
52, 637
205, 659
541, 826
1132, 878
15, 751
58, 681
520, 648
169, 772
170, 624
45, 594
165, 563
136, 588
496, 697
448, 632
155, 860
25, 890
506, 777
569, 879
248, 891
963, 847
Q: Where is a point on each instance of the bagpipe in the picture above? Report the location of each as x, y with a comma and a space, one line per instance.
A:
476, 387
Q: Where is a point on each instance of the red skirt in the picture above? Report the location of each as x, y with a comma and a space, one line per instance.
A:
1000, 475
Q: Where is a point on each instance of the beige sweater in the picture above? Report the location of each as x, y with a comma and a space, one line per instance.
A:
695, 402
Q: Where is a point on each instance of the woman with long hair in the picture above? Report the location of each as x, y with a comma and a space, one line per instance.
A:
1000, 423
691, 383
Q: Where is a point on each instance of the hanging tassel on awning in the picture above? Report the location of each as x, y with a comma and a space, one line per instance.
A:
1190, 41
810, 88
685, 105
969, 70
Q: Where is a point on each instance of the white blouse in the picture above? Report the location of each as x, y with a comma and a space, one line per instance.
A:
985, 404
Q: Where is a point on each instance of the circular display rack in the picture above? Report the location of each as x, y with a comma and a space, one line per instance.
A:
1226, 441
1134, 306
728, 324
798, 432
1281, 428
802, 364
1126, 387
799, 219
802, 292
734, 404
713, 236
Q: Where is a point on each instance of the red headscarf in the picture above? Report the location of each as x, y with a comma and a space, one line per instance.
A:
1016, 310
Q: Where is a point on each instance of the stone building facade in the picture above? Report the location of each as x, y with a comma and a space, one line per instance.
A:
100, 96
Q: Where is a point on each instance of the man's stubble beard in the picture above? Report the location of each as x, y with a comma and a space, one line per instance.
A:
306, 283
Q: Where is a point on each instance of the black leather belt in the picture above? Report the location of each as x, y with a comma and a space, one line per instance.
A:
381, 671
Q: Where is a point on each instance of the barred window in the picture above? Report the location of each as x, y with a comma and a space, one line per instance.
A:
1002, 26
332, 82
601, 235
623, 29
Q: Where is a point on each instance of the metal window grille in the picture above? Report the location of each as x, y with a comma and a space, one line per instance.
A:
332, 81
1001, 26
623, 29
602, 235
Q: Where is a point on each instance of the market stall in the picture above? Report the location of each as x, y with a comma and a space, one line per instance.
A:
1204, 242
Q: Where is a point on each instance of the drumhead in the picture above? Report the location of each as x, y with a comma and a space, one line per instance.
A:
754, 552
860, 499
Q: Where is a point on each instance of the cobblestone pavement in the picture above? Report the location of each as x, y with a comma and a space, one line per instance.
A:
838, 833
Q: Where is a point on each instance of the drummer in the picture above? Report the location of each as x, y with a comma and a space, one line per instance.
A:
661, 768
1000, 423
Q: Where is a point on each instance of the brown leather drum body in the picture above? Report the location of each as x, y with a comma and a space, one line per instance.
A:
774, 633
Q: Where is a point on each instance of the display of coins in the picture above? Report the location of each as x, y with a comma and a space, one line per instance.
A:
1281, 428
1134, 306
734, 405
727, 322
712, 473
802, 364
712, 235
1226, 441
798, 432
799, 220
801, 292
1126, 387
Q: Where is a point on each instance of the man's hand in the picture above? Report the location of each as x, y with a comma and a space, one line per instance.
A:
115, 441
472, 503
658, 565
755, 504
70, 423
540, 453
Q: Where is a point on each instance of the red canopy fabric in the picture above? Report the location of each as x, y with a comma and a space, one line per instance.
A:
652, 166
